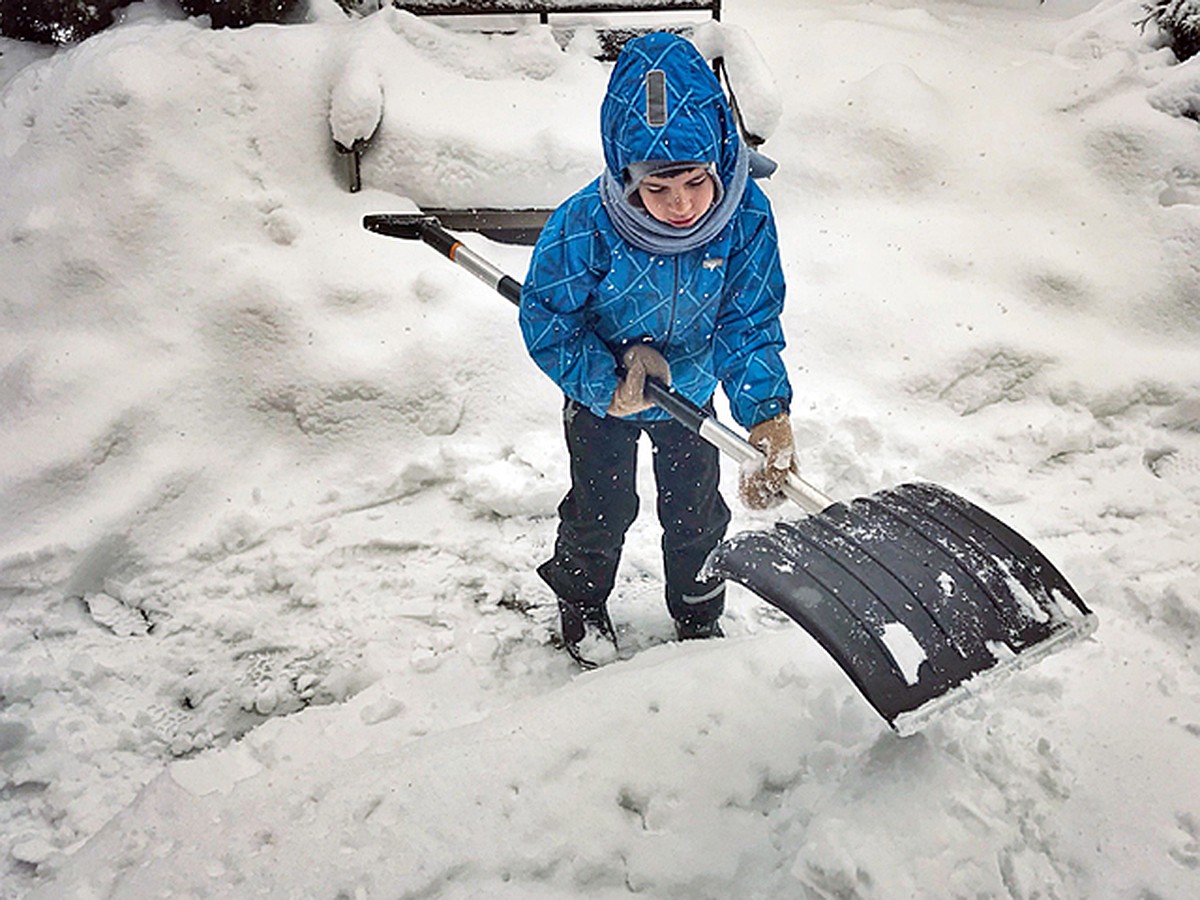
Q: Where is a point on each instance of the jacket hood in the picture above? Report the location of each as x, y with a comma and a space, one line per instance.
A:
664, 103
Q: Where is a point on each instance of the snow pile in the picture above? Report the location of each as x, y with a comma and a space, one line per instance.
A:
749, 77
273, 488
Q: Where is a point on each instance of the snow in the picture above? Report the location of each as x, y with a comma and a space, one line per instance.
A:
749, 76
905, 650
273, 488
423, 75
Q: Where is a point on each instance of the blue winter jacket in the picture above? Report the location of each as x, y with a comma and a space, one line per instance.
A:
713, 312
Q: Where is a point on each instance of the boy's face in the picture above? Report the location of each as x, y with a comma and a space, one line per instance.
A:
679, 200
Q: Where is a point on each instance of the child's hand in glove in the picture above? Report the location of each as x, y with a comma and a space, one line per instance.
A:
640, 361
760, 487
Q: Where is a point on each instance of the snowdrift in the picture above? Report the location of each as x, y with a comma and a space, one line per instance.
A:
273, 488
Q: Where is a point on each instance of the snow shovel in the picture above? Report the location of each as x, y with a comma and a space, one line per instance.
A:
919, 595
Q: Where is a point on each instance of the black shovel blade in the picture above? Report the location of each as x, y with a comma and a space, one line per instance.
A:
916, 592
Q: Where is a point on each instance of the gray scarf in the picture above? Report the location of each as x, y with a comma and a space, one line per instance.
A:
641, 229
644, 231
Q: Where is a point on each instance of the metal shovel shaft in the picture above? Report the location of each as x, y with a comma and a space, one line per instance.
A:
415, 226
731, 443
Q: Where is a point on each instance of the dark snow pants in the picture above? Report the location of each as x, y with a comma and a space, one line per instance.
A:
603, 502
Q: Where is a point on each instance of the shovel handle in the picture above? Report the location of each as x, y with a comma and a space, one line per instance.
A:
421, 227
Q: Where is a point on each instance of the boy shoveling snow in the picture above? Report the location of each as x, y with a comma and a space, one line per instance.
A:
666, 266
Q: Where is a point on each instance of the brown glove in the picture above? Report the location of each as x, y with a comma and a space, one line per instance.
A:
759, 486
640, 360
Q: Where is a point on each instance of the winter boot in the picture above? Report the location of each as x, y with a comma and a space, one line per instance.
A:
587, 633
690, 630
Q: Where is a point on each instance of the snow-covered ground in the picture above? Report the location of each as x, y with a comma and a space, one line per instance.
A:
273, 488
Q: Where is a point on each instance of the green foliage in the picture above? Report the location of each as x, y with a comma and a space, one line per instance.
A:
1179, 23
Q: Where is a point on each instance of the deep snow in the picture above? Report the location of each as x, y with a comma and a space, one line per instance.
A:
273, 488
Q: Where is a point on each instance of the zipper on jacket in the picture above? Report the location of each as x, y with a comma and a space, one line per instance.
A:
674, 301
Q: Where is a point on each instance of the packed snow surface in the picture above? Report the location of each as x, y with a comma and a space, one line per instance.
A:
272, 489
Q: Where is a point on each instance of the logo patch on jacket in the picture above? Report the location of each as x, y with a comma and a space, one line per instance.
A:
713, 262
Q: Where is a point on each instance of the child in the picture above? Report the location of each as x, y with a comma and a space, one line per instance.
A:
666, 266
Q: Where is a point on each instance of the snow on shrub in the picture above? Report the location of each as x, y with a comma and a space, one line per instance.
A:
239, 13
56, 21
71, 21
1179, 22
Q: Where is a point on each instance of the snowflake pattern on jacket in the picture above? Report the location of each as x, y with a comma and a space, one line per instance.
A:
713, 312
